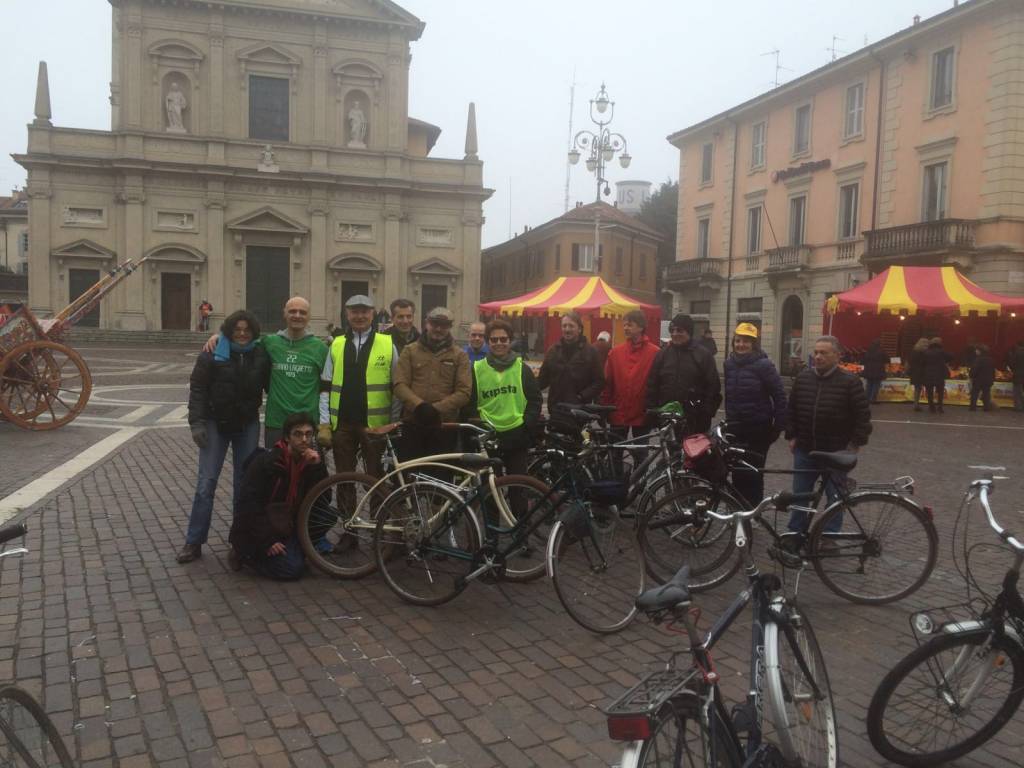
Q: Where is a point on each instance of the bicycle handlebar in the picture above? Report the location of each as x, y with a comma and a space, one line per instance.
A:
1005, 535
780, 500
12, 532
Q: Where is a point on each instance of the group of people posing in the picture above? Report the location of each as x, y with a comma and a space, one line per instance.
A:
368, 378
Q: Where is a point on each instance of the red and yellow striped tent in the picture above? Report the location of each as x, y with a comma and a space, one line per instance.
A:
931, 290
596, 301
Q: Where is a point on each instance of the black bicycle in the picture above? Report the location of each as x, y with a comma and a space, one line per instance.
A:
28, 738
965, 680
675, 717
872, 545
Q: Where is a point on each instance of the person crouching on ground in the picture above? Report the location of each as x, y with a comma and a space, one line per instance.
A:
263, 534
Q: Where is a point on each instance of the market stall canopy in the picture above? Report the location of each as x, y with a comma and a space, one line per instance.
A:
589, 296
913, 290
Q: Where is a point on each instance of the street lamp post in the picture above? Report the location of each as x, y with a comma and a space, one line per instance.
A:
600, 147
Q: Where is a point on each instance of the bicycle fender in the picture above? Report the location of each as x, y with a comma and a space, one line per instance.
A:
549, 556
980, 628
631, 755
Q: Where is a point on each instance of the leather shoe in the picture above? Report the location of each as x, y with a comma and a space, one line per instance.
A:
190, 552
234, 560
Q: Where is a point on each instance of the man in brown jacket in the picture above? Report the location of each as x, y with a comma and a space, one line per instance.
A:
434, 381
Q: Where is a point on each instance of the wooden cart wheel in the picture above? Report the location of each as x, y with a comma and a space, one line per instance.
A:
43, 385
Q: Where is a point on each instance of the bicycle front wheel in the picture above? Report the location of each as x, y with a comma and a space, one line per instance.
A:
680, 739
876, 549
424, 543
598, 571
527, 500
679, 531
803, 712
336, 522
946, 698
28, 738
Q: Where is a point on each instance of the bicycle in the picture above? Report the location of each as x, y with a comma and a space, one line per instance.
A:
433, 538
870, 546
676, 716
28, 738
960, 687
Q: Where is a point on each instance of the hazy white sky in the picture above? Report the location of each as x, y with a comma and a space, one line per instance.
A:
667, 64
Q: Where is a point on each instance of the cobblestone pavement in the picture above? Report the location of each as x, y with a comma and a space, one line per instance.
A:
141, 661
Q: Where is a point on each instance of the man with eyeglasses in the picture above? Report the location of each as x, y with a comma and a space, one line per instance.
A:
477, 348
506, 396
263, 534
685, 372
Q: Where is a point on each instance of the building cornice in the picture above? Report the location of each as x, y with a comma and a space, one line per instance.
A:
840, 68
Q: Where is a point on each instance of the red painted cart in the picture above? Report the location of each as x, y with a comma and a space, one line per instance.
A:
44, 384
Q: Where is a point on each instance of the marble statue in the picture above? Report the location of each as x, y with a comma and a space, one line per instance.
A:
356, 126
176, 103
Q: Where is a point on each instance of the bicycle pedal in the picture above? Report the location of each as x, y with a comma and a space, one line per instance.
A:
766, 756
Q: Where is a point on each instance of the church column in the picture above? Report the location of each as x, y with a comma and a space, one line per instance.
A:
470, 298
217, 276
395, 277
133, 73
132, 196
320, 94
317, 264
42, 288
216, 107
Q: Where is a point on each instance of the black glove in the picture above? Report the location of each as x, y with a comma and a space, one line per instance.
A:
199, 435
426, 415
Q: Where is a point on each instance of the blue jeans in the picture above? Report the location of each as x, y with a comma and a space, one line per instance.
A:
803, 482
873, 386
286, 567
211, 461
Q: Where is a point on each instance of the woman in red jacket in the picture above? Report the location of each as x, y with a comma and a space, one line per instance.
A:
625, 374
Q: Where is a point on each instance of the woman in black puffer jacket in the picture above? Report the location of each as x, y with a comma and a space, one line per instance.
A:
755, 405
225, 394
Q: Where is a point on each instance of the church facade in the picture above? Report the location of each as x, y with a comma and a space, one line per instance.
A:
259, 149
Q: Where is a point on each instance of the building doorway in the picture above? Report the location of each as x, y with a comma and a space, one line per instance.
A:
791, 351
267, 285
79, 281
175, 301
433, 296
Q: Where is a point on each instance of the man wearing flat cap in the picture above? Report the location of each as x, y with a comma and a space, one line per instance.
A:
434, 381
358, 376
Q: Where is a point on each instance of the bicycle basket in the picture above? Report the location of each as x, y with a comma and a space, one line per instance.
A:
705, 458
607, 493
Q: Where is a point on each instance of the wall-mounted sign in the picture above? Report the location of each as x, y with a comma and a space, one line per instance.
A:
800, 170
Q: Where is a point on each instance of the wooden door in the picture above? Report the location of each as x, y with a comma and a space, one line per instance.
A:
79, 281
267, 286
175, 301
433, 296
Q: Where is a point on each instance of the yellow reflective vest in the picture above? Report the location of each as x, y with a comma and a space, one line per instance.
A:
378, 380
500, 398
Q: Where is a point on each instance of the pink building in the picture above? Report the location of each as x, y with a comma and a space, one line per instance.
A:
909, 151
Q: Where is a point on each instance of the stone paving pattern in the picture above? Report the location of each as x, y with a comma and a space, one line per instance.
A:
143, 662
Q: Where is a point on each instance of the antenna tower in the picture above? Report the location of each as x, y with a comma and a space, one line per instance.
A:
568, 165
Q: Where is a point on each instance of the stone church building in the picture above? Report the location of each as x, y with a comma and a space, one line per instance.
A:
258, 149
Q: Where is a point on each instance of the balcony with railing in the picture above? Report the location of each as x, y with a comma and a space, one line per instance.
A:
788, 258
928, 242
695, 272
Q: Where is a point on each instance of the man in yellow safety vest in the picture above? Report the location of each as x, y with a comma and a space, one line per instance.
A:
359, 371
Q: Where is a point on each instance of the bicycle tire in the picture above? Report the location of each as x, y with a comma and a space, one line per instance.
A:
678, 532
527, 564
679, 739
898, 543
598, 576
423, 543
922, 670
330, 540
804, 725
28, 738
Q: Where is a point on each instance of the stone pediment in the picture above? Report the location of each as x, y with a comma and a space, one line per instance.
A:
356, 69
435, 268
266, 53
176, 49
355, 262
266, 219
178, 252
83, 249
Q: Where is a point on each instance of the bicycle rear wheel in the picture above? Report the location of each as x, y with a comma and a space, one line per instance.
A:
946, 698
424, 543
597, 569
527, 499
679, 531
680, 739
28, 738
883, 548
334, 538
803, 712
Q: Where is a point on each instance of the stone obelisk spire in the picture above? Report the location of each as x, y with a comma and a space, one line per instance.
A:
43, 113
471, 133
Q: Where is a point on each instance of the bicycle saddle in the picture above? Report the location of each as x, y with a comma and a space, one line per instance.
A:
598, 409
670, 594
842, 460
476, 461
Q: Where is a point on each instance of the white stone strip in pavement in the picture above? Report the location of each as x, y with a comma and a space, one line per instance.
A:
138, 413
176, 414
943, 424
43, 486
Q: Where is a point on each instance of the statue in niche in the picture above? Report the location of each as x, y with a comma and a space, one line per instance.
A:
267, 163
356, 127
175, 103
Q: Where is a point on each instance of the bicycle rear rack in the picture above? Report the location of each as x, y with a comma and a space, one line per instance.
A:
647, 696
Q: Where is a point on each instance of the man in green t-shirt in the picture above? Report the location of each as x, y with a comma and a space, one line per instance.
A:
297, 356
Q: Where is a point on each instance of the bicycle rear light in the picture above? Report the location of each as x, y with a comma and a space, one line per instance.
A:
629, 728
